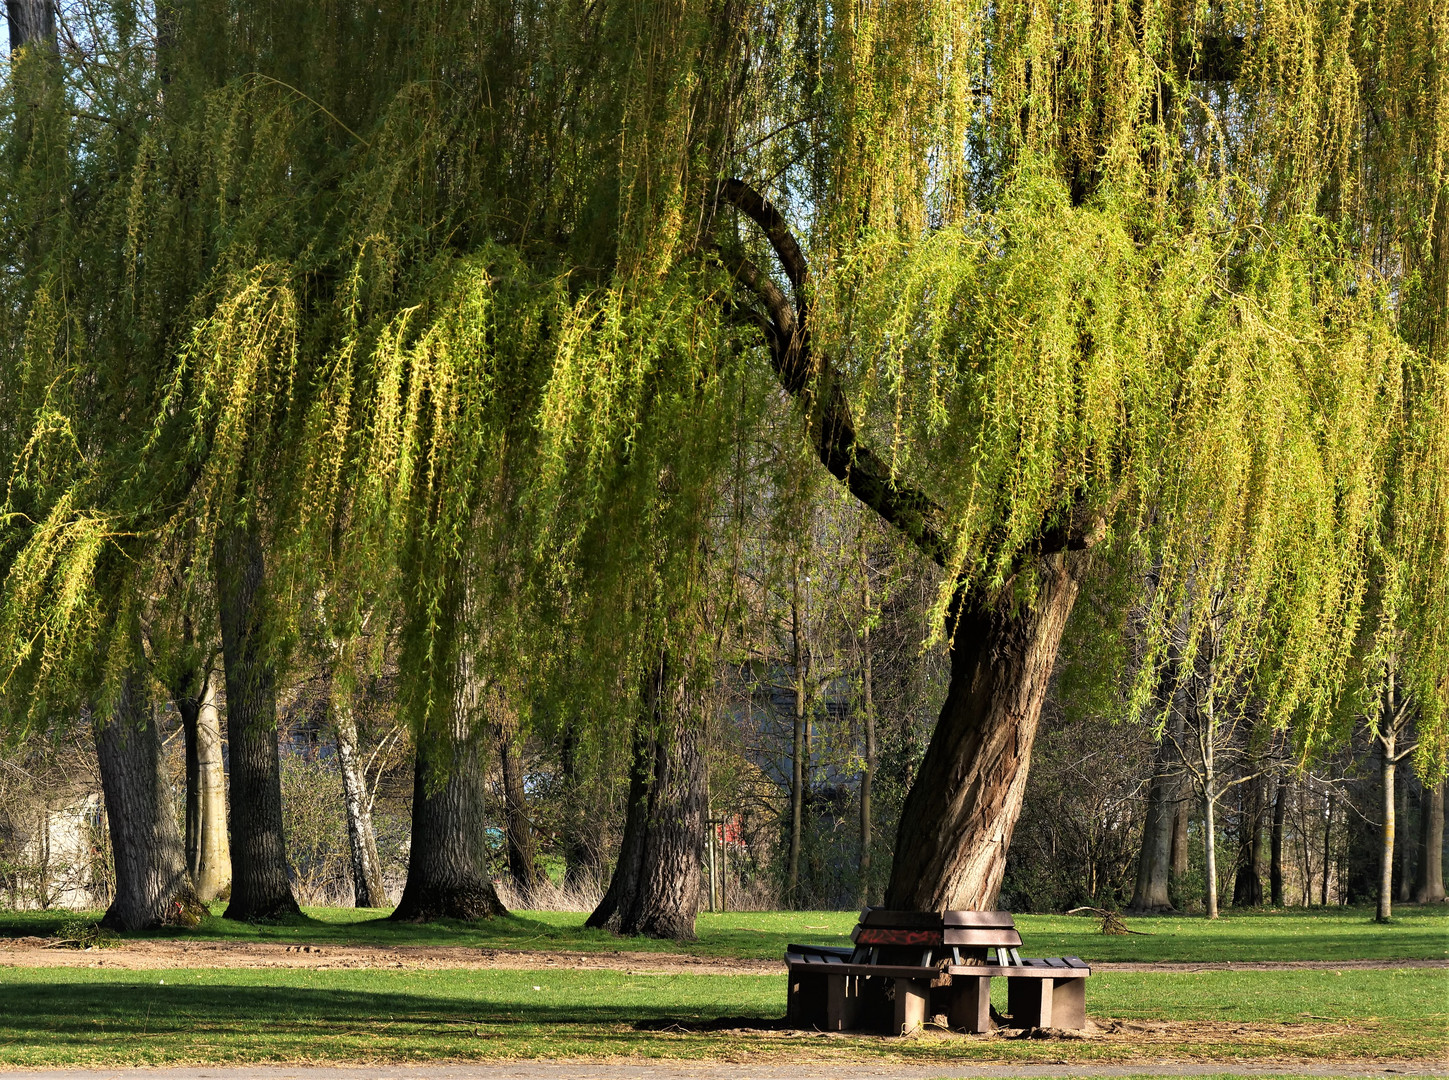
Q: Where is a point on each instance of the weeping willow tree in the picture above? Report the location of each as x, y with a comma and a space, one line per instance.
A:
450, 314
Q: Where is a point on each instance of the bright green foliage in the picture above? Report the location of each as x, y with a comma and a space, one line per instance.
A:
429, 294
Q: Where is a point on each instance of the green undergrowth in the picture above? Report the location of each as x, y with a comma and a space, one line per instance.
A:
63, 1017
1239, 936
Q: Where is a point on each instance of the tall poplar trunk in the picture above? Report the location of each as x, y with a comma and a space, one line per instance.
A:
655, 890
518, 831
1388, 743
1150, 893
1431, 847
867, 772
152, 885
799, 765
958, 817
208, 851
1275, 858
1210, 798
447, 864
367, 887
260, 888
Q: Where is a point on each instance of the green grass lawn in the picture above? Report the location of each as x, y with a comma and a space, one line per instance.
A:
73, 1017
1293, 934
88, 1016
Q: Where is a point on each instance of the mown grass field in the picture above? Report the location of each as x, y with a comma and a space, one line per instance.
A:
56, 1017
1284, 935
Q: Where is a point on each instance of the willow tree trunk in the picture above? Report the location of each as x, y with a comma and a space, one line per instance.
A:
367, 887
958, 817
260, 888
1154, 862
1431, 847
656, 886
208, 852
30, 20
518, 830
152, 885
1275, 857
447, 864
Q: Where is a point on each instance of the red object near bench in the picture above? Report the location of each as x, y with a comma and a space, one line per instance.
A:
908, 966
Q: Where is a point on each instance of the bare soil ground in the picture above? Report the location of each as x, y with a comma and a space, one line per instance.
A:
144, 954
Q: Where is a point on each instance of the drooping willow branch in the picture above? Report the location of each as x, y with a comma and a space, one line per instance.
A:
810, 376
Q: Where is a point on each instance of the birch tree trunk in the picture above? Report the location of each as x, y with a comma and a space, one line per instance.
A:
958, 817
152, 885
260, 887
367, 887
1431, 847
208, 851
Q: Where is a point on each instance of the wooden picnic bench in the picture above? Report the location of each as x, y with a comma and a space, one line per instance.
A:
907, 966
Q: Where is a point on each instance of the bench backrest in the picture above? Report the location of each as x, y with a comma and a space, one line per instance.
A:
936, 920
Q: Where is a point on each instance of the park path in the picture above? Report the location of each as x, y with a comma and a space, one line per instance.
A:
152, 954
824, 1070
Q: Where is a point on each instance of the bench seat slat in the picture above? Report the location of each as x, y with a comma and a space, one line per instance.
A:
982, 936
997, 920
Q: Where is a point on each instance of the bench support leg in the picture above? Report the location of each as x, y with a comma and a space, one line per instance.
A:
1069, 1004
911, 998
970, 1003
842, 1002
806, 1006
1029, 1000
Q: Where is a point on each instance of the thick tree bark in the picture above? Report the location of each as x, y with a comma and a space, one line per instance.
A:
447, 864
1154, 862
625, 879
152, 886
958, 817
260, 888
447, 875
367, 887
1275, 860
656, 886
208, 852
1431, 847
30, 20
518, 830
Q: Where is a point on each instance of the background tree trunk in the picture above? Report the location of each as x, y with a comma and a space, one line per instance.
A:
958, 817
799, 750
582, 855
1154, 862
1248, 872
625, 880
367, 887
152, 886
867, 772
1404, 879
208, 852
656, 886
1275, 859
518, 831
1388, 743
260, 888
1431, 847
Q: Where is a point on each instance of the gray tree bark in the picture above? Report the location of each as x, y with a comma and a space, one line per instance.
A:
1154, 863
958, 817
1431, 847
656, 886
152, 886
260, 887
367, 886
208, 851
30, 20
517, 830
